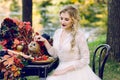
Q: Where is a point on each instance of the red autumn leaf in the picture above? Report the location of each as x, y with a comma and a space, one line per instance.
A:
13, 68
17, 73
3, 42
8, 60
21, 24
16, 41
28, 28
16, 60
21, 65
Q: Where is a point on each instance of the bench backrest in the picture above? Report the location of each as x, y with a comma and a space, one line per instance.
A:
102, 52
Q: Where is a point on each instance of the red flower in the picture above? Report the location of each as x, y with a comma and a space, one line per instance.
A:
21, 24
18, 62
27, 26
3, 42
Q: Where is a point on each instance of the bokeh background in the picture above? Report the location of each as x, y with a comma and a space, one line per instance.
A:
45, 19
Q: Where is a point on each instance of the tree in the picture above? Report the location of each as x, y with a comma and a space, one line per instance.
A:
113, 33
27, 10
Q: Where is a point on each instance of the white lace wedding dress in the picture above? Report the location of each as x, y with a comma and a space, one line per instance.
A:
79, 58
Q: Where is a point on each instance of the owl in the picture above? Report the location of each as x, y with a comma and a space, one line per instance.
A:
34, 48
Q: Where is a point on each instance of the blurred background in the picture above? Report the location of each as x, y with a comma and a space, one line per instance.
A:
45, 14
45, 19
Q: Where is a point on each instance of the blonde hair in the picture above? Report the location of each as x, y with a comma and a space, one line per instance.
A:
74, 14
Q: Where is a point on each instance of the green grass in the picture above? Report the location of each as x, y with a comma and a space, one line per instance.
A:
0, 47
33, 78
112, 68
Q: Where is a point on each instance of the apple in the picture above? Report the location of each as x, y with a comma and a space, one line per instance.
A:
19, 47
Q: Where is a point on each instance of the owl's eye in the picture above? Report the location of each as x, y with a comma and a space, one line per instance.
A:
33, 44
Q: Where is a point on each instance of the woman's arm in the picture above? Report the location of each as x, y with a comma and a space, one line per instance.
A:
42, 39
51, 50
83, 50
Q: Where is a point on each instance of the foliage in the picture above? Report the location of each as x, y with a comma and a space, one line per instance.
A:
95, 15
14, 6
66, 2
92, 14
44, 17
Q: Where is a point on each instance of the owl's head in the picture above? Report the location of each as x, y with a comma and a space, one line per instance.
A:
34, 47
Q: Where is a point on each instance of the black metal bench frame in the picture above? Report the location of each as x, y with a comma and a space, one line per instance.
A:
101, 50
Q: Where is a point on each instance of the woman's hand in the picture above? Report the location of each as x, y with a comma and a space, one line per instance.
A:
39, 38
42, 39
63, 71
59, 72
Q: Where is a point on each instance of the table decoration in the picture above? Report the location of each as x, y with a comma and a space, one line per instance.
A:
16, 41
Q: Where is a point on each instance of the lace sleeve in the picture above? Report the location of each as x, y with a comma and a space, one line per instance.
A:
83, 50
52, 51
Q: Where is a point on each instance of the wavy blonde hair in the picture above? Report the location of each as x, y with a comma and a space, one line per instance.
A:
74, 14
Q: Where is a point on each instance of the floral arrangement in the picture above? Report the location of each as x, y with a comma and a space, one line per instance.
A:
15, 36
14, 32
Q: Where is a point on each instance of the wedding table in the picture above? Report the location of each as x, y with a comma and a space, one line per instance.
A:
40, 70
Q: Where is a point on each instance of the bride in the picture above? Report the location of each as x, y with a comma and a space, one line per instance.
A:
70, 46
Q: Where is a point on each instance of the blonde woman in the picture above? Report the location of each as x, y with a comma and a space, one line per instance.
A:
70, 46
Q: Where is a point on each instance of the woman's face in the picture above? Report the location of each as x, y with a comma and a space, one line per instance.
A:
65, 20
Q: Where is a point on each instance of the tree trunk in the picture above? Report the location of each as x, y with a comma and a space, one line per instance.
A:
27, 10
113, 35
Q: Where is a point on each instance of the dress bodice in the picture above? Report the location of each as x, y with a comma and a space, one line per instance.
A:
79, 53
